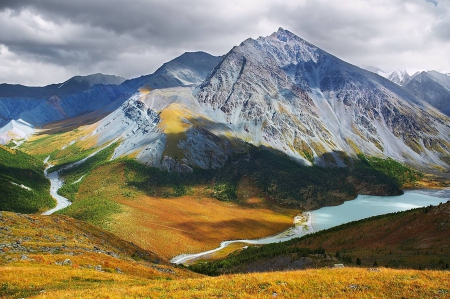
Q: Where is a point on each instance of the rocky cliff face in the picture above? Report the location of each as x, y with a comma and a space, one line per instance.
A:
282, 92
167, 129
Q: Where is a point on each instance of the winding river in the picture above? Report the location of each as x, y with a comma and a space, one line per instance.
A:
55, 184
362, 207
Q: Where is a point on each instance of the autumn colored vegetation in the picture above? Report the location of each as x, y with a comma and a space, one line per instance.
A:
36, 281
59, 257
255, 194
416, 238
173, 225
60, 253
275, 174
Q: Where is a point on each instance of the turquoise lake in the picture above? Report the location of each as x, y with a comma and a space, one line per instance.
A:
366, 206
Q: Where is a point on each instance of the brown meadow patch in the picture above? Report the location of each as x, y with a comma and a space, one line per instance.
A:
60, 145
187, 224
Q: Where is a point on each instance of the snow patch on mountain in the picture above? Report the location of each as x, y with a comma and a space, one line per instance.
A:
399, 77
16, 130
22, 186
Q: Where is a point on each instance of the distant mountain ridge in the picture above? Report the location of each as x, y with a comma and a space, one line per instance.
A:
189, 68
433, 87
94, 93
430, 86
73, 85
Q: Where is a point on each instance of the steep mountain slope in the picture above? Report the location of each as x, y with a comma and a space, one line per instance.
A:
189, 68
282, 92
376, 70
433, 87
167, 129
23, 186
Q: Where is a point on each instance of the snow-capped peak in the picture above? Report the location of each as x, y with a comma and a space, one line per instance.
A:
399, 77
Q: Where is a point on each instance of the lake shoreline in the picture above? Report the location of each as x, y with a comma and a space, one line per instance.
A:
311, 226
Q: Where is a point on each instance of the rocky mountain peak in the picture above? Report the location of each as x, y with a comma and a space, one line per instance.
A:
399, 77
283, 35
285, 93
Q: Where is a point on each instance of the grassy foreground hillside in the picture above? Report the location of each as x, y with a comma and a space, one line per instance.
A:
25, 279
60, 253
23, 186
59, 257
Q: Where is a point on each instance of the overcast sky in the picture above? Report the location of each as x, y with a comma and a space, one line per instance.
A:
49, 41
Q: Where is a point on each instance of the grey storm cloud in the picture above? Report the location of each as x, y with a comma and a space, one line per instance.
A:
158, 23
60, 38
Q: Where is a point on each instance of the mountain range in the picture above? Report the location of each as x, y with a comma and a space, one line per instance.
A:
430, 86
279, 92
433, 87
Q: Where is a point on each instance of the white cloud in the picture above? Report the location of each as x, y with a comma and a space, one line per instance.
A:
13, 69
132, 38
